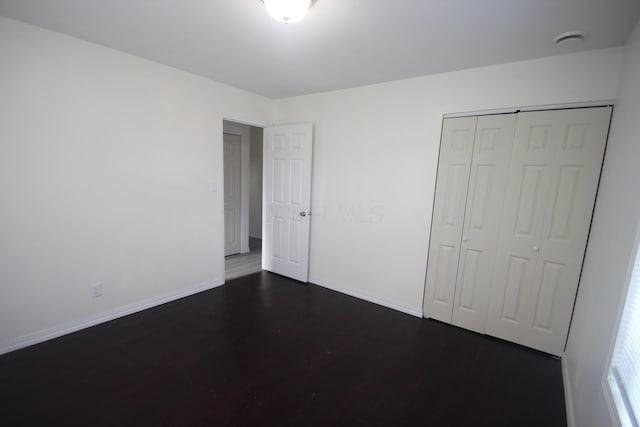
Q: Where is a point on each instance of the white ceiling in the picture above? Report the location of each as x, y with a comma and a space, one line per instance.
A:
340, 44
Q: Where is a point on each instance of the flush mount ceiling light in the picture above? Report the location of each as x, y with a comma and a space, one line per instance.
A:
288, 11
571, 36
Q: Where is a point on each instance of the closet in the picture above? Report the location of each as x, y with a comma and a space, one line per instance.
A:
512, 210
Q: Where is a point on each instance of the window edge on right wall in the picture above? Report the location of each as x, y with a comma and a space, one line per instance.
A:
621, 379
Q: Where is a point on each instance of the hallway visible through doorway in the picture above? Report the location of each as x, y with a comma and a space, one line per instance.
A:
243, 264
243, 190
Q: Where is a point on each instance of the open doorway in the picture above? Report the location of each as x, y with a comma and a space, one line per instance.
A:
242, 198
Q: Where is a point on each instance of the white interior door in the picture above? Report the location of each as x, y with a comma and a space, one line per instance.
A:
287, 200
232, 193
456, 149
551, 191
485, 199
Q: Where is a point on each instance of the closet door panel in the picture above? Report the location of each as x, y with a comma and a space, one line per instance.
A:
576, 172
551, 192
523, 218
456, 149
487, 186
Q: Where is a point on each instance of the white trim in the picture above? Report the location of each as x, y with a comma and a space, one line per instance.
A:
263, 261
608, 393
480, 113
257, 147
616, 405
229, 118
611, 405
568, 400
219, 147
245, 167
602, 103
413, 311
58, 331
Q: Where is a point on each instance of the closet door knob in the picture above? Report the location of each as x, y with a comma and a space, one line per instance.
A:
465, 238
536, 249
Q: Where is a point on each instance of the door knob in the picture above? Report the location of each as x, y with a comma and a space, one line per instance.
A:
536, 249
303, 213
465, 238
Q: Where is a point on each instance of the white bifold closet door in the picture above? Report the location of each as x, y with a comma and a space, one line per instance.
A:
473, 167
456, 148
552, 184
512, 211
483, 214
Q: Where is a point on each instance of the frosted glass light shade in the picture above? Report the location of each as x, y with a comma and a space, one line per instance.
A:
287, 11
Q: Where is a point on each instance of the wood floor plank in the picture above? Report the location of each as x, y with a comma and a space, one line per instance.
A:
265, 350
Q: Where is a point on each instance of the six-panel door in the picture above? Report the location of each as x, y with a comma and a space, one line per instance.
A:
483, 214
287, 200
456, 149
555, 169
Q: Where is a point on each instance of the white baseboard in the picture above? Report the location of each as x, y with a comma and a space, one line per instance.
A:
364, 296
568, 401
58, 331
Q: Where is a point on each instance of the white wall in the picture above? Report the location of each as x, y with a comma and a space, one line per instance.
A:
255, 183
106, 166
609, 253
107, 162
375, 159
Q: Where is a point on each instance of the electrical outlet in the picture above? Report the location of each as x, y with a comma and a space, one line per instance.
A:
96, 290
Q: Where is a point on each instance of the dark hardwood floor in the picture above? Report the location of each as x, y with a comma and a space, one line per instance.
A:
264, 350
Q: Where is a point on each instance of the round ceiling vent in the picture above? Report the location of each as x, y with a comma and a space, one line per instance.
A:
570, 36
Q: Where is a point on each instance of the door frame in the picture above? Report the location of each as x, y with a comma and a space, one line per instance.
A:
241, 128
